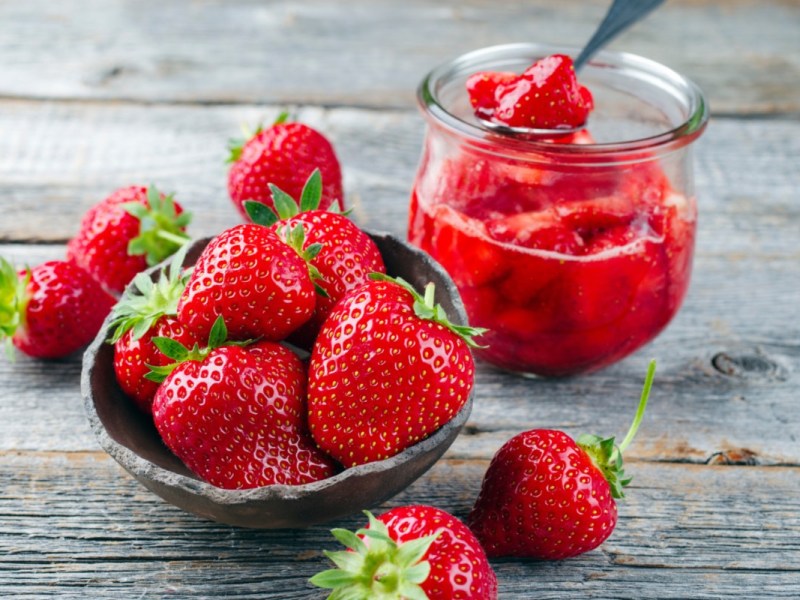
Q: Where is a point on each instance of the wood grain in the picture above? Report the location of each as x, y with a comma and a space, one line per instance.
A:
373, 54
92, 530
96, 95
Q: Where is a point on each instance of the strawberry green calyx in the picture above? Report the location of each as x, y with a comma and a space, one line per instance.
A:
287, 207
140, 311
236, 145
179, 353
13, 300
295, 238
607, 455
377, 568
161, 227
426, 308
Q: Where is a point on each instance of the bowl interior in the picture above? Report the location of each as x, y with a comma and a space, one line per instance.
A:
132, 440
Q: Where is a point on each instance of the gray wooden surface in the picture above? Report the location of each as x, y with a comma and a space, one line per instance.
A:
95, 95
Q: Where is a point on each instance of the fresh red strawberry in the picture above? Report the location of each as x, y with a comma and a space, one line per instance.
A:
236, 415
135, 227
410, 552
149, 310
261, 286
284, 154
547, 496
387, 370
51, 310
346, 256
546, 96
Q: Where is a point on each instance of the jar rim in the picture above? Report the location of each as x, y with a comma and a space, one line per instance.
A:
656, 73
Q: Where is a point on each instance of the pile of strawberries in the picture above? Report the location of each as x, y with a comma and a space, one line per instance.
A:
285, 354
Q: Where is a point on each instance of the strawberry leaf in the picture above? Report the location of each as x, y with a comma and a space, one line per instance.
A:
172, 349
312, 192
260, 213
218, 334
285, 205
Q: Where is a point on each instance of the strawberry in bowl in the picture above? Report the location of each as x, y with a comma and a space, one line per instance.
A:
239, 486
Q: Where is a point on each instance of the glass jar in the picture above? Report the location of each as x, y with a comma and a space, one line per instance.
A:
575, 251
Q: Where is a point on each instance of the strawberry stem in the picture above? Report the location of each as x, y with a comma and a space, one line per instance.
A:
637, 420
606, 455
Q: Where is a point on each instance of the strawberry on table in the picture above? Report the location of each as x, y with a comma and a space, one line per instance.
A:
50, 310
548, 496
235, 414
149, 310
546, 95
346, 257
261, 286
387, 370
284, 154
135, 227
410, 552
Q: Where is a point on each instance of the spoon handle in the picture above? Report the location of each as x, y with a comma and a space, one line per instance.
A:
619, 17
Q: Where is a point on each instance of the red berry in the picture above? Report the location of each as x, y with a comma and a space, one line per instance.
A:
410, 552
284, 154
135, 227
547, 496
236, 417
51, 310
546, 96
342, 255
132, 356
256, 282
387, 370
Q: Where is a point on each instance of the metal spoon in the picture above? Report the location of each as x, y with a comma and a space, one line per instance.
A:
621, 15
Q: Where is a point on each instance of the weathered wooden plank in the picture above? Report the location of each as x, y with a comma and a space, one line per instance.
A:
75, 525
725, 388
57, 159
374, 53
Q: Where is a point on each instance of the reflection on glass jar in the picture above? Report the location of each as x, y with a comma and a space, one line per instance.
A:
574, 251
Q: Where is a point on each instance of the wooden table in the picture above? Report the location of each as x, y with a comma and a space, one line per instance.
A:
95, 95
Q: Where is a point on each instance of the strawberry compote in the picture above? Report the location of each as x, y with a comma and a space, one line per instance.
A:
572, 252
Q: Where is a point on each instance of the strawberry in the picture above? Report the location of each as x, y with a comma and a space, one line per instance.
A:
284, 154
135, 227
410, 552
548, 496
387, 370
51, 310
235, 414
261, 286
149, 310
546, 95
346, 257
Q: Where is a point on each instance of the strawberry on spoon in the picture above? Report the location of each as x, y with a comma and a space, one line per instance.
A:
546, 100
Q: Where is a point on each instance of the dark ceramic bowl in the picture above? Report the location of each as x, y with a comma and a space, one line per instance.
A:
132, 440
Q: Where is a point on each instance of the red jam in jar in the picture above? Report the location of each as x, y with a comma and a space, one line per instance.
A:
573, 251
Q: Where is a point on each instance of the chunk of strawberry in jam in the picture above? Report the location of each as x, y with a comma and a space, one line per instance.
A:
546, 95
